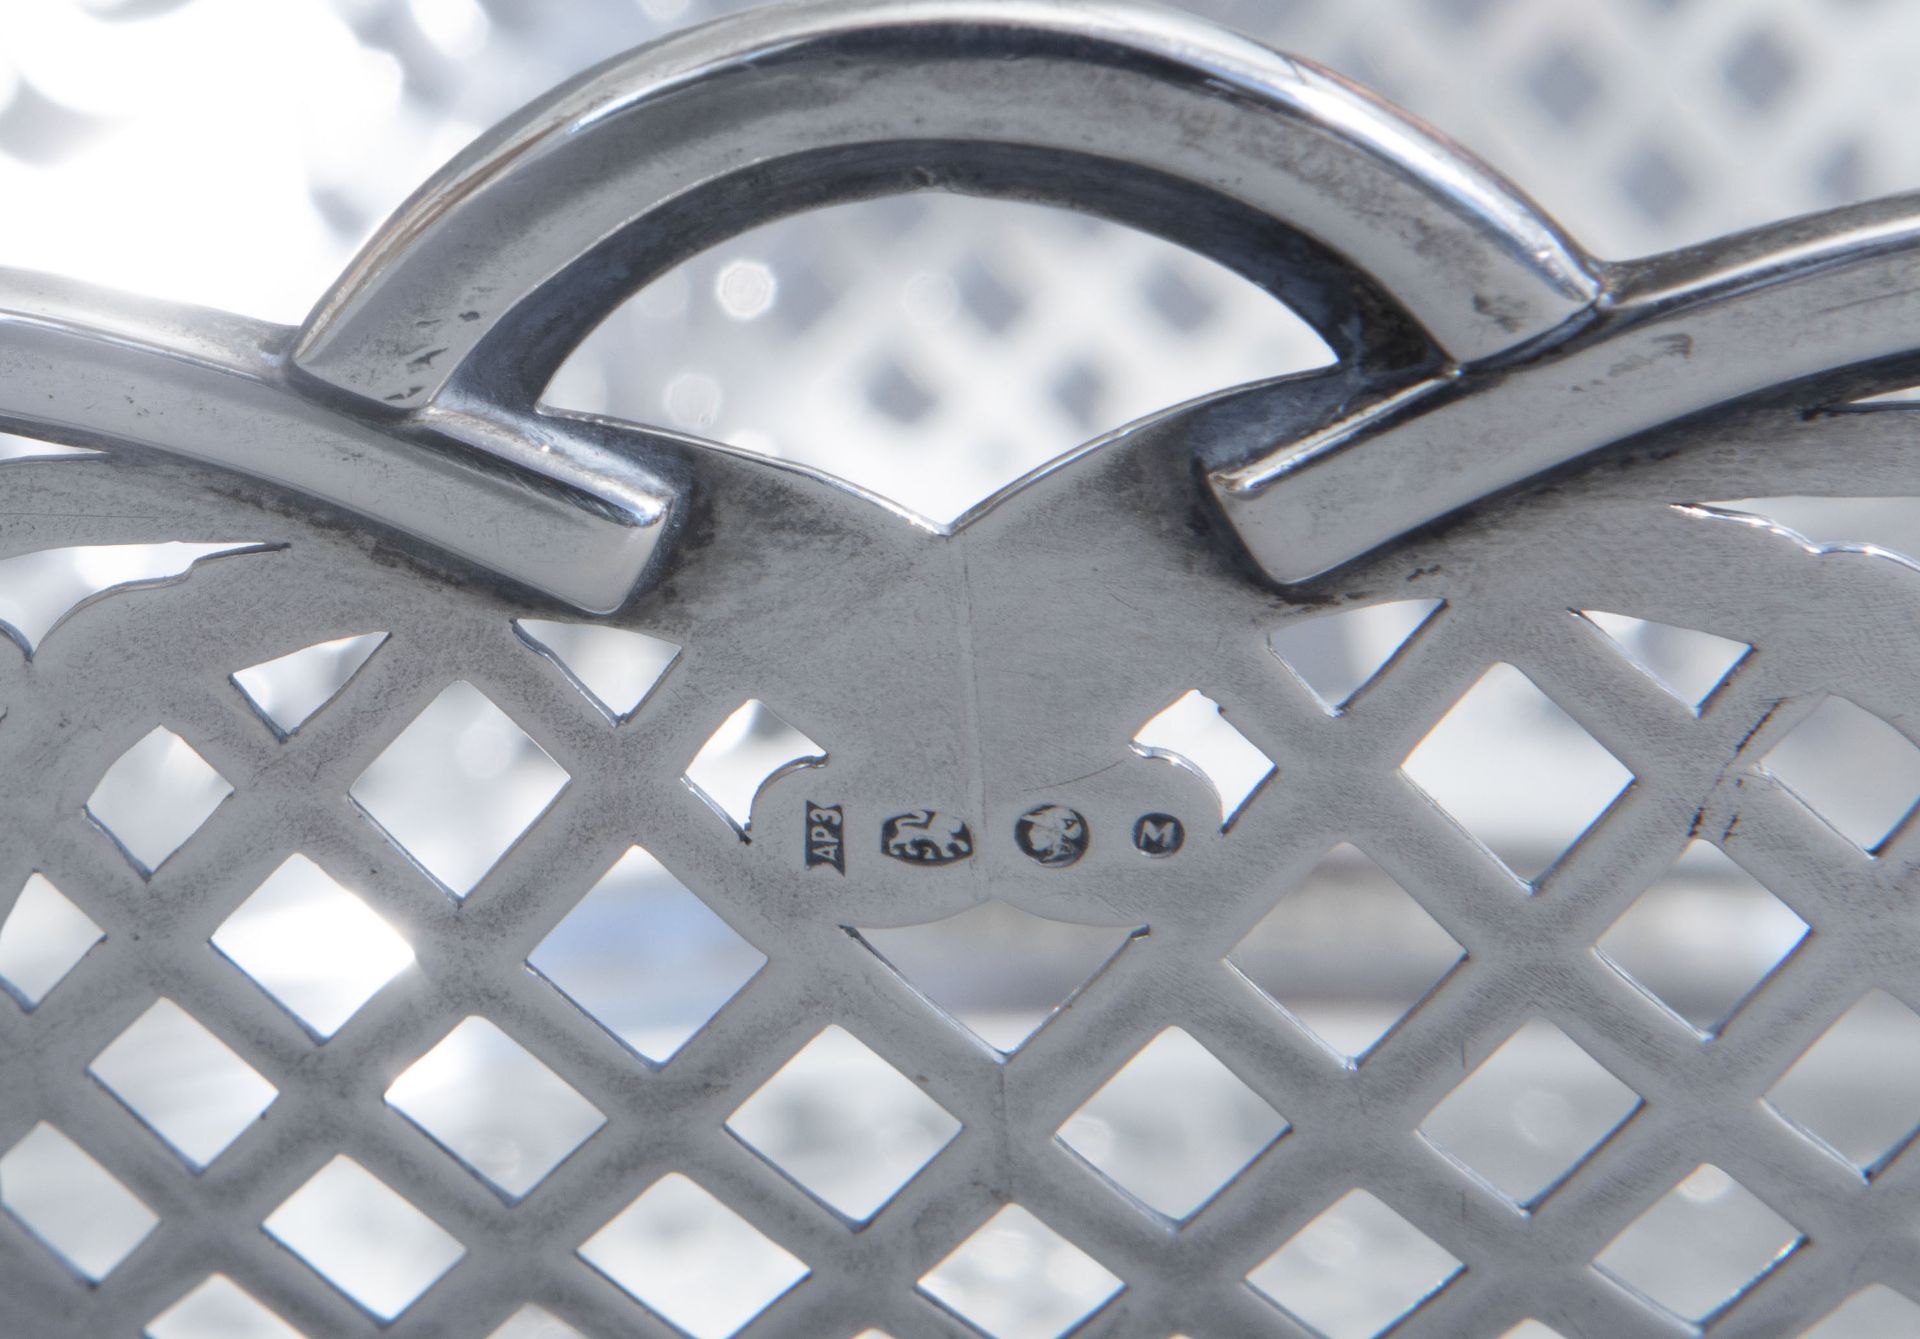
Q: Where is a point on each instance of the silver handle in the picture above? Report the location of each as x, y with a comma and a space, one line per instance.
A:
1131, 112
1478, 346
1672, 336
410, 396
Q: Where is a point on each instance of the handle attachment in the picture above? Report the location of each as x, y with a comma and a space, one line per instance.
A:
1479, 346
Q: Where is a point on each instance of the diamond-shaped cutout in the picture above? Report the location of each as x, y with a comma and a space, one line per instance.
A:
1899, 395
184, 1083
1857, 1089
1888, 526
1347, 953
844, 1123
645, 958
155, 796
1516, 771
1564, 83
14, 448
494, 1106
288, 690
1355, 1270
532, 1322
752, 749
997, 970
613, 668
1657, 186
41, 940
458, 787
1703, 937
1850, 767
320, 951
1700, 1245
1530, 1113
364, 1238
1173, 1126
39, 591
1194, 733
219, 1309
71, 1203
1759, 69
1016, 1278
682, 1253
1688, 663
1175, 298
1876, 1312
1336, 655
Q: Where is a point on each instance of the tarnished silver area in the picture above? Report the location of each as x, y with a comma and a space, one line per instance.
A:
495, 939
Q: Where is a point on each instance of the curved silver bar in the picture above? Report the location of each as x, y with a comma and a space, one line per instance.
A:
1677, 334
409, 395
842, 82
541, 506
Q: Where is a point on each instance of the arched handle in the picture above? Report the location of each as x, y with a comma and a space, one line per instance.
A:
1479, 347
1136, 113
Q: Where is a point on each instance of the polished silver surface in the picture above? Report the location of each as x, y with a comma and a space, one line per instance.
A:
1020, 709
1668, 337
551, 511
1134, 111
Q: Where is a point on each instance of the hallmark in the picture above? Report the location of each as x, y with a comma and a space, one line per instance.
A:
1158, 834
1052, 834
826, 836
926, 837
